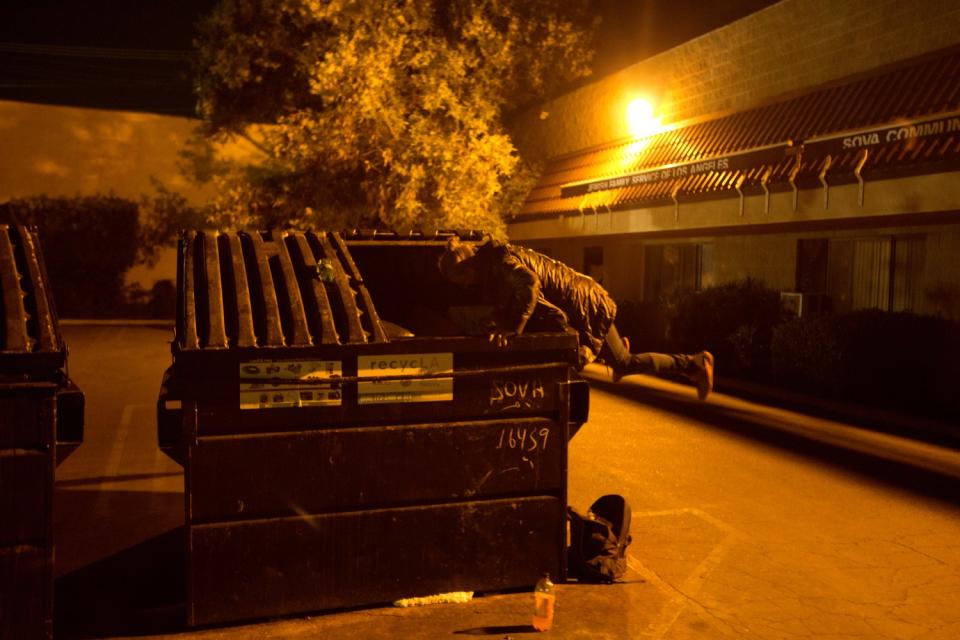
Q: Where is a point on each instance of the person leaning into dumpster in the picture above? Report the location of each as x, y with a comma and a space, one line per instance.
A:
533, 292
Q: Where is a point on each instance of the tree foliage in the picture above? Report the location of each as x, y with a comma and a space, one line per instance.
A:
381, 112
162, 215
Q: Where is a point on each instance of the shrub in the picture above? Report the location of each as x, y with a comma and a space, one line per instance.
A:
896, 359
806, 354
899, 361
734, 321
644, 323
88, 244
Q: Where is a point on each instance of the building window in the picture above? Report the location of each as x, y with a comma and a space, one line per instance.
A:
908, 263
593, 263
669, 268
887, 273
812, 265
871, 274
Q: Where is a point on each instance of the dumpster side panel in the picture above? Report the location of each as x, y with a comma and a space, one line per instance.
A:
41, 421
234, 477
25, 477
26, 592
21, 422
494, 392
339, 560
27, 463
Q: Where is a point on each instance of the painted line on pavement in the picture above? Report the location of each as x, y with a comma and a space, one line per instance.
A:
115, 457
684, 596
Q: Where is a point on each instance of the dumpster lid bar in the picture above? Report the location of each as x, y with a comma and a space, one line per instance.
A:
29, 323
413, 236
271, 289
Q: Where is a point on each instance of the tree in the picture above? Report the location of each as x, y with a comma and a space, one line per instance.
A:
381, 112
162, 215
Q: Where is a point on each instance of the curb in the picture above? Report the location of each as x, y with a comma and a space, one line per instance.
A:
895, 443
884, 420
875, 418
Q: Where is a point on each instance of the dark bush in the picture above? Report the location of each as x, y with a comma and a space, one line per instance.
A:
893, 360
735, 321
896, 359
644, 323
806, 355
88, 245
899, 361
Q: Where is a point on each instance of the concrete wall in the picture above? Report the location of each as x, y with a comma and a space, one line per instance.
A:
785, 48
65, 151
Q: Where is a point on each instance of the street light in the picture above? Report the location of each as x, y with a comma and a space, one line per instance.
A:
641, 120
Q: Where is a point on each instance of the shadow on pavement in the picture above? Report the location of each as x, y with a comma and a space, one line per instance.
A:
138, 591
121, 555
926, 481
938, 431
90, 482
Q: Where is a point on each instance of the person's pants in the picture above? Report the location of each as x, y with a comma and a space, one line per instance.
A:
615, 354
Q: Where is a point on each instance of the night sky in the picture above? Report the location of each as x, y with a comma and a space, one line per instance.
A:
134, 54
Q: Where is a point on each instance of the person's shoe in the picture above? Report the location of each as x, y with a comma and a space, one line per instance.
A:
703, 376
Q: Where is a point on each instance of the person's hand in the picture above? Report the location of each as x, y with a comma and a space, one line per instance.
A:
500, 338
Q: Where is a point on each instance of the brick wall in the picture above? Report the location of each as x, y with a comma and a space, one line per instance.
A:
788, 47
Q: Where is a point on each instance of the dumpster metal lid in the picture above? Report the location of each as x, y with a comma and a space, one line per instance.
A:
270, 289
29, 334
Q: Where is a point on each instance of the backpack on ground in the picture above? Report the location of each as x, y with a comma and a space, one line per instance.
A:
599, 540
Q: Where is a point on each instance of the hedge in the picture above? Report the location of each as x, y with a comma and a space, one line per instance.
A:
88, 245
734, 321
901, 361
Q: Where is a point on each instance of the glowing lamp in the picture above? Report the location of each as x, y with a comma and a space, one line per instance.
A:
640, 118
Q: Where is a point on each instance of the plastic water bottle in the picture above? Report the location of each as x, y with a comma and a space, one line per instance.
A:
544, 600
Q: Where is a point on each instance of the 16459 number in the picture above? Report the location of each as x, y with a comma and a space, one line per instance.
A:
523, 439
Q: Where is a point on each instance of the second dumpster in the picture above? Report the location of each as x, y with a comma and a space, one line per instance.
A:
348, 435
41, 422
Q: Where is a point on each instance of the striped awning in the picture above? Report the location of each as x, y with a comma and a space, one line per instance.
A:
902, 121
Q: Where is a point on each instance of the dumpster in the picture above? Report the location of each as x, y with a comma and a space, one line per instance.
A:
41, 422
348, 434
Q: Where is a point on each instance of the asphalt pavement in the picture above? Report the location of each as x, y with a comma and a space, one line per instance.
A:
739, 526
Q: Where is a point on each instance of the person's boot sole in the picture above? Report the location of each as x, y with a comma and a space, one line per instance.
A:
705, 378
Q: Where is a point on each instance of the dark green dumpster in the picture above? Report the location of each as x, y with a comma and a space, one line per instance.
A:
41, 422
349, 436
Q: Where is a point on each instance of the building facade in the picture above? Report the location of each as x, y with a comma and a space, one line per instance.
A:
814, 146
